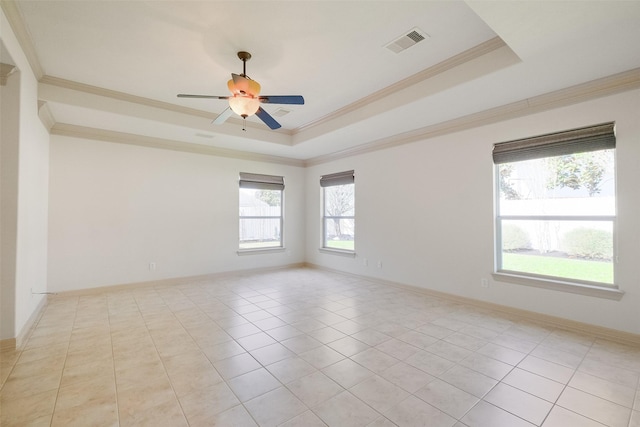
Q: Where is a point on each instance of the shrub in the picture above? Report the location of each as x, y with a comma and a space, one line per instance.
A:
588, 243
514, 238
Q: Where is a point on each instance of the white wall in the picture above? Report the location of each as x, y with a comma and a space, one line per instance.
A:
115, 208
426, 211
32, 194
9, 149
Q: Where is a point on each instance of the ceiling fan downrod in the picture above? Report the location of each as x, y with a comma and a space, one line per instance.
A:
244, 57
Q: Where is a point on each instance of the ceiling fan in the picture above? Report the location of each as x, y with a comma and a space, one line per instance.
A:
245, 97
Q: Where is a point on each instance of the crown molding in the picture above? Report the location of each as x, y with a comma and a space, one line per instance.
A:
121, 96
45, 114
605, 86
5, 71
12, 12
139, 100
455, 61
446, 65
610, 85
74, 131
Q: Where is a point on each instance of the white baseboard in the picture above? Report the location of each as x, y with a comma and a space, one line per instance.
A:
540, 318
17, 342
173, 281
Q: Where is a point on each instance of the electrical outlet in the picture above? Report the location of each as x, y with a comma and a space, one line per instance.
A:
365, 262
379, 264
484, 283
152, 266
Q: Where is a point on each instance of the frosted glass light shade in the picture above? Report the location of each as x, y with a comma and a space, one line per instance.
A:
244, 106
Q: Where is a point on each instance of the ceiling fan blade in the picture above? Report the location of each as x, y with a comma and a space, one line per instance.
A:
222, 117
267, 119
184, 95
246, 97
282, 99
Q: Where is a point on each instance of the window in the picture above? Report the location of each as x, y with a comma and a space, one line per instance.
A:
556, 206
338, 221
261, 211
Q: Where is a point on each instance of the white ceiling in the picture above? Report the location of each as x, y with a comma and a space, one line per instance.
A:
479, 55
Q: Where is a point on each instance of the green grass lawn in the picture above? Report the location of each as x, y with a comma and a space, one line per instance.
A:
347, 245
592, 271
259, 245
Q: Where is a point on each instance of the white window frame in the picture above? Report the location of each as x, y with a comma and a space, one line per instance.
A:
262, 182
590, 138
331, 180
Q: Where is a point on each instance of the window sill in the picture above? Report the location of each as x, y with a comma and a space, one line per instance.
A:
259, 251
557, 285
341, 252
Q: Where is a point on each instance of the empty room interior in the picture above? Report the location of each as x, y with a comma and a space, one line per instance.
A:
320, 213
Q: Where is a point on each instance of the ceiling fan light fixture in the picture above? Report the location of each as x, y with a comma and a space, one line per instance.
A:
245, 100
244, 86
244, 106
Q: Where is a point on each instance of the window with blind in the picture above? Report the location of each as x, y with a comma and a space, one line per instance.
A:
261, 220
556, 206
338, 219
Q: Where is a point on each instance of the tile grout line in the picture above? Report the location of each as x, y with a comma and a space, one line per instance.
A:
155, 346
555, 403
338, 291
55, 404
212, 365
113, 356
241, 403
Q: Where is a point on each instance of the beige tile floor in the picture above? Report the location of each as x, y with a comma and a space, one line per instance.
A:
304, 347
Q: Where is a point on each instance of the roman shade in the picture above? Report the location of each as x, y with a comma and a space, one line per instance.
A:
591, 138
340, 178
261, 182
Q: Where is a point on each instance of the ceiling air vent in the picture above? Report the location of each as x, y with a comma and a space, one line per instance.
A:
280, 112
407, 40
